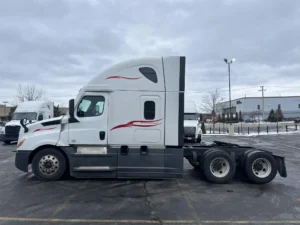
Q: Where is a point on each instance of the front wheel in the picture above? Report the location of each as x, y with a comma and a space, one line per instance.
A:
49, 164
7, 142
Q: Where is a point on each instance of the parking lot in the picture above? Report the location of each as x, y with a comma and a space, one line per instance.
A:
192, 200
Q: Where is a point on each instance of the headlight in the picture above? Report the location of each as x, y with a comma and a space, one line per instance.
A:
1, 131
20, 143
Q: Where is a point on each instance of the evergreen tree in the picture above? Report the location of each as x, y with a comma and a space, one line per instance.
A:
272, 116
223, 117
203, 128
279, 113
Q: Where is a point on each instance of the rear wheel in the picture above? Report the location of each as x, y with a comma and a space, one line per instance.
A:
260, 167
49, 164
218, 167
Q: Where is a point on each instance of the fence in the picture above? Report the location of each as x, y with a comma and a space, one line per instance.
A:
247, 128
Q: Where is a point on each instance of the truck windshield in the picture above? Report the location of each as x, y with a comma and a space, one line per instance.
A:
22, 115
190, 116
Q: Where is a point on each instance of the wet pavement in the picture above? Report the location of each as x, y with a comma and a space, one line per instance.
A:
191, 200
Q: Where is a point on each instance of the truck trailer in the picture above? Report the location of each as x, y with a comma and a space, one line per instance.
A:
128, 122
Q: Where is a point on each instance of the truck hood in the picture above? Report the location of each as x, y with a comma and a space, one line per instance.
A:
53, 124
190, 123
16, 123
13, 123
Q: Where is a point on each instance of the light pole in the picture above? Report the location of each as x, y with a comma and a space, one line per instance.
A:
5, 102
228, 63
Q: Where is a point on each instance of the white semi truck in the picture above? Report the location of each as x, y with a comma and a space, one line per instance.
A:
127, 122
33, 111
192, 125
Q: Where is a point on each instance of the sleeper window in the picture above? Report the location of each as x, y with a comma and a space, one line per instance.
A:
149, 110
91, 106
149, 73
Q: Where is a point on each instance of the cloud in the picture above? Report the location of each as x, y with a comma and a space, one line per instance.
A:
62, 44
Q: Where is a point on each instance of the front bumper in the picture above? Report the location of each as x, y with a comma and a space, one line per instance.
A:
22, 160
4, 137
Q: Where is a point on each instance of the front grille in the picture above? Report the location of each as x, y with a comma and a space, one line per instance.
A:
12, 130
189, 131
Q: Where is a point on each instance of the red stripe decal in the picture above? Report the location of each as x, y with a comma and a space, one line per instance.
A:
143, 123
120, 77
39, 129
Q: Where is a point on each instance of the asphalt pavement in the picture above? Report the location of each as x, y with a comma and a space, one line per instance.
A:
191, 200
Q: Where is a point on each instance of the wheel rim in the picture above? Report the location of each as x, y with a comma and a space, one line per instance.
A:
48, 165
261, 167
219, 167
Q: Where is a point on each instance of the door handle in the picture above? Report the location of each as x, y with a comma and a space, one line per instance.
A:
102, 135
144, 150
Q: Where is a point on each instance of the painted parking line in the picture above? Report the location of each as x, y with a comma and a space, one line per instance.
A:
99, 221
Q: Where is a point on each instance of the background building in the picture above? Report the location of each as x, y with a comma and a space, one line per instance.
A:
4, 112
253, 107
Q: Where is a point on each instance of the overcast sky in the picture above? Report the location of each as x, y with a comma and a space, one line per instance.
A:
60, 45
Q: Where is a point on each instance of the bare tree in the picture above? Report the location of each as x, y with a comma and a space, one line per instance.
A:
211, 103
30, 92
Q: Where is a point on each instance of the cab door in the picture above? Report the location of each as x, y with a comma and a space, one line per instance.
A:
92, 115
89, 135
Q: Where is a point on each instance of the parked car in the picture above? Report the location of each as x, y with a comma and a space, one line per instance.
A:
297, 120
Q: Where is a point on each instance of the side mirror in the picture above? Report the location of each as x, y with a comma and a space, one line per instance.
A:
23, 124
71, 108
41, 117
72, 118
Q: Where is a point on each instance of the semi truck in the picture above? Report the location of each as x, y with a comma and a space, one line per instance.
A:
192, 125
128, 122
31, 110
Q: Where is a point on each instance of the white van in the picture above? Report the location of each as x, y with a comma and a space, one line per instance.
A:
33, 111
192, 125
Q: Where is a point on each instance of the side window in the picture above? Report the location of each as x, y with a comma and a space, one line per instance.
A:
149, 73
91, 106
149, 110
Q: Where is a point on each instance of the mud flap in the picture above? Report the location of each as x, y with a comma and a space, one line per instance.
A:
280, 165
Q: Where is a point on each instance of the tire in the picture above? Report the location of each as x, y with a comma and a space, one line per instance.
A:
267, 167
244, 158
7, 142
213, 172
204, 155
44, 159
